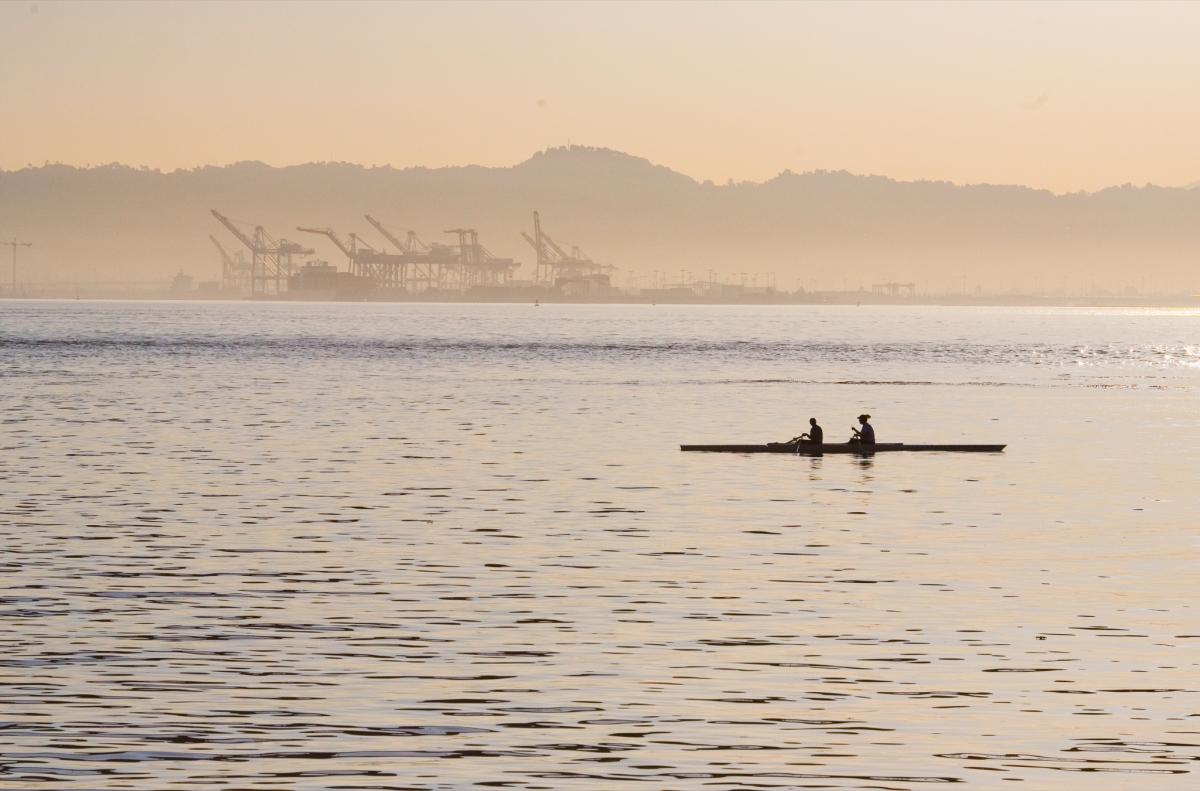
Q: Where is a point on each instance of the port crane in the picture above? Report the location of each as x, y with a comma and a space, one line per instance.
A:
412, 245
427, 266
554, 263
385, 270
270, 258
235, 273
421, 267
14, 244
478, 266
351, 250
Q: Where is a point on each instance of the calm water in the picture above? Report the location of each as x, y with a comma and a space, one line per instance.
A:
252, 546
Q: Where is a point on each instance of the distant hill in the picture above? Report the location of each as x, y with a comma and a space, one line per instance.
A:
820, 229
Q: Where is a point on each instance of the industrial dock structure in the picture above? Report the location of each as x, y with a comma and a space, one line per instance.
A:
460, 268
269, 267
256, 264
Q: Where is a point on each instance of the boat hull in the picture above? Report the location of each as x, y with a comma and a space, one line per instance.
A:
806, 449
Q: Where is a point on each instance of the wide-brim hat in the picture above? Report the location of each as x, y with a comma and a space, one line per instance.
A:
864, 417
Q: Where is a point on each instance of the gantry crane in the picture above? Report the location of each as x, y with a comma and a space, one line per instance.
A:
384, 270
477, 265
349, 250
427, 267
411, 246
554, 263
235, 273
270, 259
14, 244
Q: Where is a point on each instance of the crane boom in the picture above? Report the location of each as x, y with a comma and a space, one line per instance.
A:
554, 246
387, 234
357, 241
347, 250
225, 256
532, 242
537, 235
233, 229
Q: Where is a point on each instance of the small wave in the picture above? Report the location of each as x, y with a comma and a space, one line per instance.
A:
639, 350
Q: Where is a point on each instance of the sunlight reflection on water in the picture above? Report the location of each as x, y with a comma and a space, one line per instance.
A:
322, 546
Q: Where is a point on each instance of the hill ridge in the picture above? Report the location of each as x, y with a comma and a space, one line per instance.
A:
819, 228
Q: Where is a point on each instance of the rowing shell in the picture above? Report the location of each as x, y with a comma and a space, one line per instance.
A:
808, 449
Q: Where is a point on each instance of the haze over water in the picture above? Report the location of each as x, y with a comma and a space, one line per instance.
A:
414, 546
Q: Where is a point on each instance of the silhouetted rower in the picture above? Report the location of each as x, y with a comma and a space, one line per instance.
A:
864, 435
815, 434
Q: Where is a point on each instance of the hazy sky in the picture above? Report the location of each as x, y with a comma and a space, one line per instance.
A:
1065, 96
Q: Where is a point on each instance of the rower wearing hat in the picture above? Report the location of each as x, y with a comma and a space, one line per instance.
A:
864, 435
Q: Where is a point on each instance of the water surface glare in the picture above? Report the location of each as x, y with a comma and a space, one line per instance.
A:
365, 546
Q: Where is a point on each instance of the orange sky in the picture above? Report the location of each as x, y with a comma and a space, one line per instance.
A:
1064, 96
